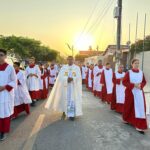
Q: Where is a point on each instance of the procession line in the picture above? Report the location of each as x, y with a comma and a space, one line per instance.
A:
32, 137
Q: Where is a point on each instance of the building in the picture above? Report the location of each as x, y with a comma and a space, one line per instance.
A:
84, 54
110, 52
93, 59
90, 53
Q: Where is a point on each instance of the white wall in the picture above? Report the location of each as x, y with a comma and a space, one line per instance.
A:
93, 59
146, 70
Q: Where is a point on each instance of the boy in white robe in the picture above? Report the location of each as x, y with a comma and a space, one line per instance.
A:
7, 84
22, 96
33, 75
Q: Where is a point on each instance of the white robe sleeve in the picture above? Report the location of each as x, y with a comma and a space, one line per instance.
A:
22, 79
38, 72
13, 79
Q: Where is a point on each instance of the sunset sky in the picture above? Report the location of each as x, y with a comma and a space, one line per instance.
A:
57, 22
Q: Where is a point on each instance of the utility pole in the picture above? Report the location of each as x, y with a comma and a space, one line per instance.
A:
118, 16
71, 48
119, 22
136, 34
144, 43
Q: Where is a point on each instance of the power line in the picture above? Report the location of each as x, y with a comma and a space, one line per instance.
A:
100, 18
91, 15
89, 18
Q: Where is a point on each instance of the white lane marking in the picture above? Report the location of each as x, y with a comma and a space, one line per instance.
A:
32, 137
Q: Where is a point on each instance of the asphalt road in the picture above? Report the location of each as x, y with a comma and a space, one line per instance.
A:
98, 129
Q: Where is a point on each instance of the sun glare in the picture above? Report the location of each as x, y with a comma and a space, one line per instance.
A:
82, 42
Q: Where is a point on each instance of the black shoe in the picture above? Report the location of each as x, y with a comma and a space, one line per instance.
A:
2, 137
33, 103
72, 118
141, 132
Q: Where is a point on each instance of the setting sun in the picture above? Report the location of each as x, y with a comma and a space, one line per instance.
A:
82, 42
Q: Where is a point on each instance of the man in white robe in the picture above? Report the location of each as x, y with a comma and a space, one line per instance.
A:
22, 96
7, 84
33, 75
66, 96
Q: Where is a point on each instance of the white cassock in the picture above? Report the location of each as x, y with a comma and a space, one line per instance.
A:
64, 92
97, 86
47, 78
21, 91
90, 78
137, 78
56, 68
120, 89
84, 72
33, 83
42, 80
109, 80
53, 74
7, 78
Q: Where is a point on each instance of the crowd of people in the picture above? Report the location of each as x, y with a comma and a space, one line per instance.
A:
21, 88
123, 91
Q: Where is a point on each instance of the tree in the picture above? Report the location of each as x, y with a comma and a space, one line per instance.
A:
26, 47
138, 46
80, 58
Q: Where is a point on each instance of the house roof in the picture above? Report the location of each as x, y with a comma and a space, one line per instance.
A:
90, 53
112, 48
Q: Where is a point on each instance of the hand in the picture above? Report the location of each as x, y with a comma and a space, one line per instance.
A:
98, 74
70, 80
30, 75
34, 75
121, 79
138, 86
2, 88
102, 84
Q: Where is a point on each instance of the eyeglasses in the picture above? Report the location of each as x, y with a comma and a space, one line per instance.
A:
1, 55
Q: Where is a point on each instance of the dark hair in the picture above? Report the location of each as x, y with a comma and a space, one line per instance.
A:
17, 63
70, 57
32, 58
3, 51
107, 63
134, 60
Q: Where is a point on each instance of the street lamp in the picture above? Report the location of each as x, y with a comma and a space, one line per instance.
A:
71, 48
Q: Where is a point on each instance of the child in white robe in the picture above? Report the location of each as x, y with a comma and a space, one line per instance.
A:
33, 75
7, 84
22, 96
